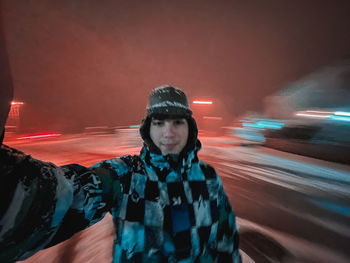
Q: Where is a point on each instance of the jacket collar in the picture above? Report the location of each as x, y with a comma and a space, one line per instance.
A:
170, 161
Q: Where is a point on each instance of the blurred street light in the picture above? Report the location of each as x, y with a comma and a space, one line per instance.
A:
202, 102
16, 103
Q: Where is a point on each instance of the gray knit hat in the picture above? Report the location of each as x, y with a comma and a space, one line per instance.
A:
168, 100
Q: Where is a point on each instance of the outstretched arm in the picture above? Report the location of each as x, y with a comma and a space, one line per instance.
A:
42, 204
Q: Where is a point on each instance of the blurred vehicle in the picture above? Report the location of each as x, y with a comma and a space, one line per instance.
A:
327, 139
251, 130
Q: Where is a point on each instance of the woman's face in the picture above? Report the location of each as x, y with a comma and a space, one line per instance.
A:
169, 135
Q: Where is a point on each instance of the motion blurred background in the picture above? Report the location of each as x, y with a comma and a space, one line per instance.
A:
268, 82
92, 63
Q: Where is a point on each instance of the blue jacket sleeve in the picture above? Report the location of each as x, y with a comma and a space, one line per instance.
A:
42, 204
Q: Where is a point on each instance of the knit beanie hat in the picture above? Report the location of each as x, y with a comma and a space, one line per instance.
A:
167, 102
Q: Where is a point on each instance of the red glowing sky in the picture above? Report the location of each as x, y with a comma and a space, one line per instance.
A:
94, 62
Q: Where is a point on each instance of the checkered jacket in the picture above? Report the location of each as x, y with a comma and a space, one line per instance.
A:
164, 210
171, 211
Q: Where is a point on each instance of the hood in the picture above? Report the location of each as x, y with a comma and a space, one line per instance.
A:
164, 163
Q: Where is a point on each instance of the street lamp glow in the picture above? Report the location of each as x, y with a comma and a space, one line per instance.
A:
16, 103
342, 113
202, 102
312, 115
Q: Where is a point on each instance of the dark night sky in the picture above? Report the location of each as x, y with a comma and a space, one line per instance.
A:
93, 62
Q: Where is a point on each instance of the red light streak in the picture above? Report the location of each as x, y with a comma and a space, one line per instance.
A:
213, 118
39, 136
202, 102
16, 103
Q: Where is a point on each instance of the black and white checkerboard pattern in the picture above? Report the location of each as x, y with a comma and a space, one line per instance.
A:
184, 217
